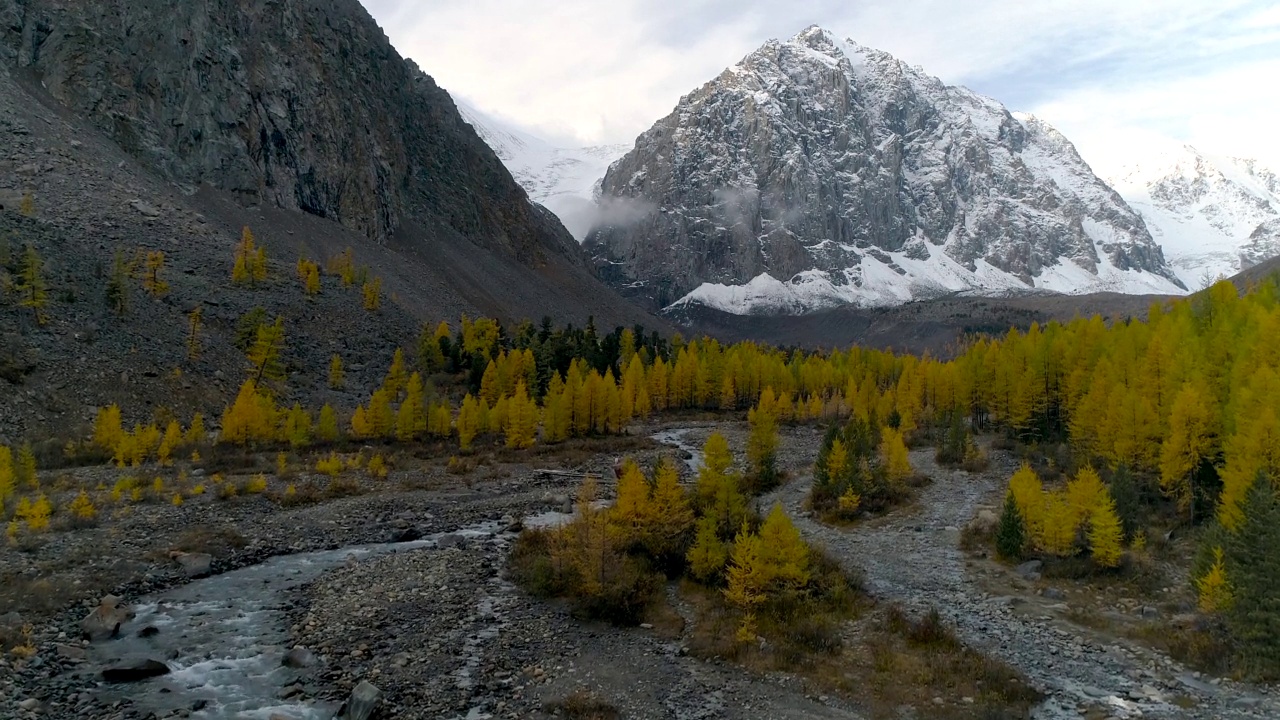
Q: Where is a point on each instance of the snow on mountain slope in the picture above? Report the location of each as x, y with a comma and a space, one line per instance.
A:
818, 172
1214, 216
564, 180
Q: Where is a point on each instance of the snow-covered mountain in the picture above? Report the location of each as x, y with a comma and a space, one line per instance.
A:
1213, 215
563, 180
818, 172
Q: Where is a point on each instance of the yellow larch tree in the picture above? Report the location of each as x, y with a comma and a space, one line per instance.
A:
672, 515
1192, 432
893, 455
716, 461
397, 375
264, 354
327, 424
107, 428
1254, 446
296, 428
762, 440
38, 517
171, 441
8, 478
709, 554
153, 265
25, 467
556, 412
1085, 492
631, 515
81, 508
522, 419
309, 276
250, 264
499, 415
1213, 588
371, 293
784, 553
411, 418
360, 424
440, 419
468, 422
1028, 494
1058, 527
31, 288
489, 386
337, 376
381, 419
252, 417
747, 580
196, 434
1106, 537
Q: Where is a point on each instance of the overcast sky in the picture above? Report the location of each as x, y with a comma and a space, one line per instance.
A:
1108, 73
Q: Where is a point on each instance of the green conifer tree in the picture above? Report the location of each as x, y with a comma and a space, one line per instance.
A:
1011, 532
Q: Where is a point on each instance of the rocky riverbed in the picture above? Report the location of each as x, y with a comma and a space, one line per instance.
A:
431, 621
912, 556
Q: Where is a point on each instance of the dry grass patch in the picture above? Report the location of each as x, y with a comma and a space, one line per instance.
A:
582, 705
217, 541
1204, 644
875, 656
38, 596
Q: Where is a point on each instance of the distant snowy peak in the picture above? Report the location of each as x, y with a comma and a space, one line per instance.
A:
1214, 215
564, 180
818, 172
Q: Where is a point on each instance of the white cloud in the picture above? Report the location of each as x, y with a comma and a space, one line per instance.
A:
586, 71
1228, 112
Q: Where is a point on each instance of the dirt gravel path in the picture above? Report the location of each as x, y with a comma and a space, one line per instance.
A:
912, 556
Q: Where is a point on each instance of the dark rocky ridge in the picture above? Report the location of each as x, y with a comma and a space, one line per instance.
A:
298, 103
471, 244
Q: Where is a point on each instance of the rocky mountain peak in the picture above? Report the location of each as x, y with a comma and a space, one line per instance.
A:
818, 172
1214, 215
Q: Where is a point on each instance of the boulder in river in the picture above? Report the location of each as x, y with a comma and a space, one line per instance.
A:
134, 670
364, 700
299, 657
451, 540
194, 565
105, 620
408, 534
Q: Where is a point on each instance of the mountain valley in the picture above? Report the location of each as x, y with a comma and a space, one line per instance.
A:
839, 393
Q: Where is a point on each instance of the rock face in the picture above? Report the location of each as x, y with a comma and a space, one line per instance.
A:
818, 172
1214, 215
295, 103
